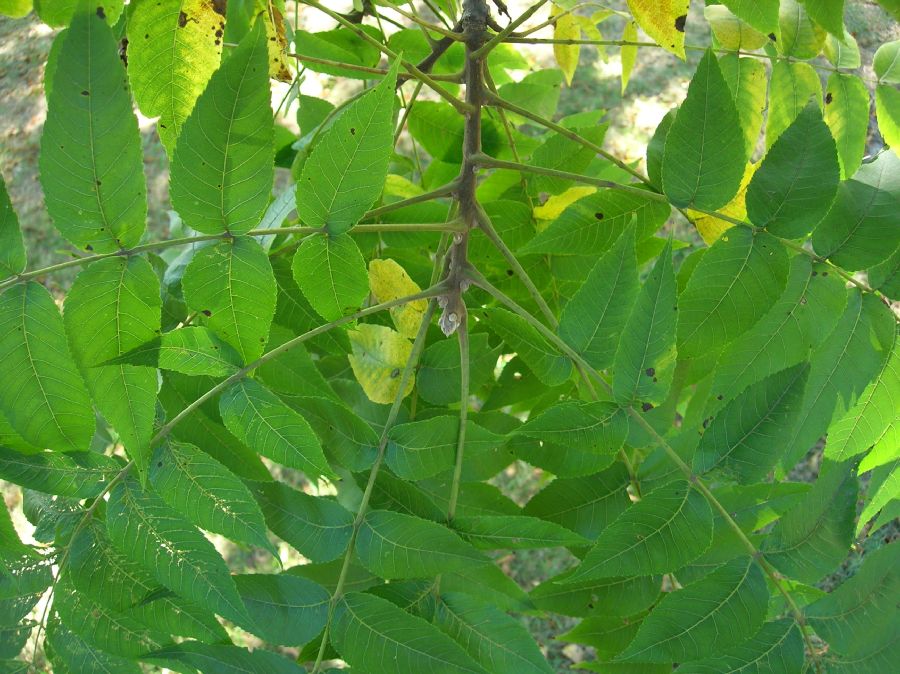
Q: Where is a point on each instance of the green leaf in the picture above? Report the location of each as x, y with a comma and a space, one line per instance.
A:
317, 527
873, 660
796, 181
887, 102
392, 546
223, 165
437, 378
593, 319
598, 427
12, 248
258, 418
345, 173
585, 505
499, 643
91, 164
761, 14
549, 366
43, 396
886, 62
191, 350
859, 612
739, 440
286, 610
614, 596
800, 36
645, 359
791, 87
843, 51
208, 494
746, 77
332, 275
421, 449
714, 613
155, 536
847, 116
705, 153
777, 648
494, 532
731, 31
171, 59
738, 279
666, 529
222, 659
114, 306
76, 474
814, 536
61, 12
74, 653
232, 285
863, 226
827, 13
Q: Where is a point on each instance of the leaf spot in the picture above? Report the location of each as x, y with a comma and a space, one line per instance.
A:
679, 23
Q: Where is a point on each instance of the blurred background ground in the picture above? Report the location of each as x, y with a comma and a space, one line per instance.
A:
658, 83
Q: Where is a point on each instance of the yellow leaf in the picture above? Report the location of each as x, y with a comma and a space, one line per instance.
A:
566, 28
389, 281
711, 227
730, 31
378, 358
555, 205
628, 54
277, 41
663, 21
591, 32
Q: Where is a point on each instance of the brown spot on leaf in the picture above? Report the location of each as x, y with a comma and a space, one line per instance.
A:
89, 247
679, 23
182, 19
772, 37
219, 6
85, 92
828, 98
206, 312
598, 215
651, 371
101, 13
352, 131
395, 373
647, 407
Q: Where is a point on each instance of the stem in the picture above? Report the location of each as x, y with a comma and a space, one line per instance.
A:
444, 191
504, 34
425, 24
463, 335
362, 69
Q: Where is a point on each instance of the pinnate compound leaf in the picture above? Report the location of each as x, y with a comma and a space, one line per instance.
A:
663, 21
331, 273
393, 545
796, 181
515, 532
259, 419
12, 248
668, 528
593, 319
192, 350
286, 610
379, 356
847, 116
738, 279
75, 474
705, 151
207, 494
223, 165
345, 173
373, 634
43, 396
173, 49
114, 306
222, 659
232, 285
91, 166
496, 641
777, 648
645, 359
715, 612
149, 532
317, 527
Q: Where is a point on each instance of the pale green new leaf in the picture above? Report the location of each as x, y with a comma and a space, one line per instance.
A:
645, 359
192, 350
317, 527
549, 365
668, 528
777, 648
714, 613
886, 62
592, 320
222, 659
800, 36
842, 52
598, 427
883, 496
705, 149
232, 285
393, 545
75, 474
155, 536
285, 610
761, 14
887, 104
796, 181
259, 419
91, 166
496, 641
60, 12
791, 87
345, 173
331, 273
829, 14
223, 165
747, 80
515, 532
373, 634
208, 494
114, 306
43, 395
738, 279
12, 248
171, 59
847, 115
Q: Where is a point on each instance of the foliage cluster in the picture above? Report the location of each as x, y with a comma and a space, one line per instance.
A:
466, 283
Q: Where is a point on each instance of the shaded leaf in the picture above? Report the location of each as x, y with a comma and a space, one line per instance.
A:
191, 350
777, 648
286, 610
222, 659
76, 474
12, 248
517, 532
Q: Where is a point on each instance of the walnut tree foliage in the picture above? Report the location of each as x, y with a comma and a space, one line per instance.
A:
455, 279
